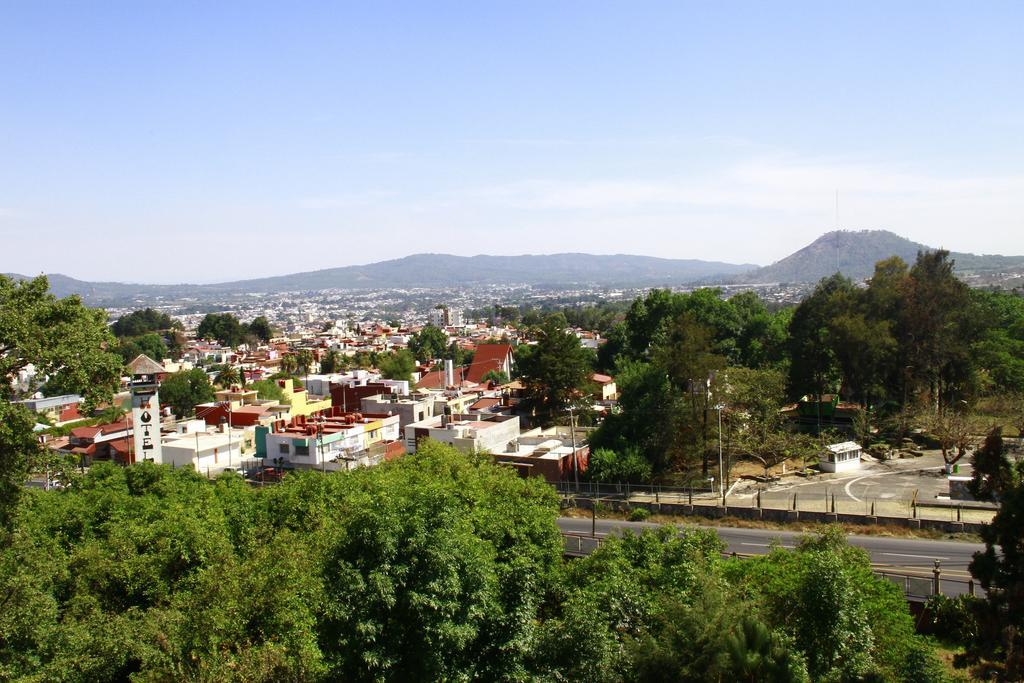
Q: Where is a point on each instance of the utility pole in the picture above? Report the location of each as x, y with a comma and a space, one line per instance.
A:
575, 456
721, 468
229, 432
320, 439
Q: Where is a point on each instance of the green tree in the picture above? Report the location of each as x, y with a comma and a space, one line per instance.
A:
998, 649
304, 361
496, 376
332, 362
66, 342
649, 417
607, 466
397, 365
268, 389
19, 450
138, 323
228, 377
814, 368
428, 344
556, 373
261, 328
937, 326
289, 363
683, 349
224, 327
183, 390
150, 344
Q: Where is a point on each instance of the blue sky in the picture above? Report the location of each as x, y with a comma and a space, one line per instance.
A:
235, 139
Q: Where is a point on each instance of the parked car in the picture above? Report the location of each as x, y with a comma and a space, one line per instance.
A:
271, 474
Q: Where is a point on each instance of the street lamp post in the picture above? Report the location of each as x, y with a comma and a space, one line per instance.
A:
721, 468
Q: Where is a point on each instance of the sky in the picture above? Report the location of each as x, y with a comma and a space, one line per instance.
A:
202, 142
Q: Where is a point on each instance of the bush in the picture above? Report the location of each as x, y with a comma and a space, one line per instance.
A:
639, 515
953, 618
608, 466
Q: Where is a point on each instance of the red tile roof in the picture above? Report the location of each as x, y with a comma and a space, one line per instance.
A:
488, 357
435, 379
85, 432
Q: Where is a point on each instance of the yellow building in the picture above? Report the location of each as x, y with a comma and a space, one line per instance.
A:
298, 400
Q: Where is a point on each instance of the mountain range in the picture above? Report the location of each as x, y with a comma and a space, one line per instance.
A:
853, 253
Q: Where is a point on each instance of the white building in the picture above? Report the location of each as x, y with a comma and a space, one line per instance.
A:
841, 457
470, 433
209, 453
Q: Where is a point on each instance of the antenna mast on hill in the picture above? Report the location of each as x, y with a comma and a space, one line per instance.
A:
836, 244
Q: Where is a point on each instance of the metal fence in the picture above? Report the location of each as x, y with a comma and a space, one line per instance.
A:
833, 501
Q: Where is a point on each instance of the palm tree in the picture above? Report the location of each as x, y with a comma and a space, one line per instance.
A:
227, 377
288, 363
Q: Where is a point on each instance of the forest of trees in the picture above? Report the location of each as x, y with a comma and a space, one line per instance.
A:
914, 344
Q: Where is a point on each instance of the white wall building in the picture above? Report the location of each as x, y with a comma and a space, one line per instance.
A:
470, 433
209, 453
841, 457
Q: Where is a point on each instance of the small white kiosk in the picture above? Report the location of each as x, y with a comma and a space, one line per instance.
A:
841, 457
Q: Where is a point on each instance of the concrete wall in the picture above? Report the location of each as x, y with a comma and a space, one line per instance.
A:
781, 516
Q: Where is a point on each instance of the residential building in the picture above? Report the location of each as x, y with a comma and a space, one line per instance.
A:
408, 409
59, 409
333, 441
208, 452
300, 402
488, 358
111, 441
606, 389
551, 454
470, 433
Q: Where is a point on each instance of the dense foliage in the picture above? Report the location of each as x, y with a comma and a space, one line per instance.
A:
62, 340
429, 343
914, 344
440, 566
555, 372
148, 332
138, 323
65, 345
183, 390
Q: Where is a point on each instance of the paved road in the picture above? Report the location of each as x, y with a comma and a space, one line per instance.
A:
905, 554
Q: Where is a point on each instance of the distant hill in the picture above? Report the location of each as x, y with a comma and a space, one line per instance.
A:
434, 271
855, 253
444, 270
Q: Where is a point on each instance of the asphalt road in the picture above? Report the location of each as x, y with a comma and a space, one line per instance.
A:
902, 554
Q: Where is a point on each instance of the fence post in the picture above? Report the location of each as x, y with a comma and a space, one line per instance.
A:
959, 509
691, 495
759, 498
593, 518
872, 508
970, 587
657, 492
794, 501
936, 573
833, 503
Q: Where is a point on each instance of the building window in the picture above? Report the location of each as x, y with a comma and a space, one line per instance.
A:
301, 449
284, 448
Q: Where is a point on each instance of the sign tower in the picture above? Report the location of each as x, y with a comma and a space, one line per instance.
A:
145, 409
